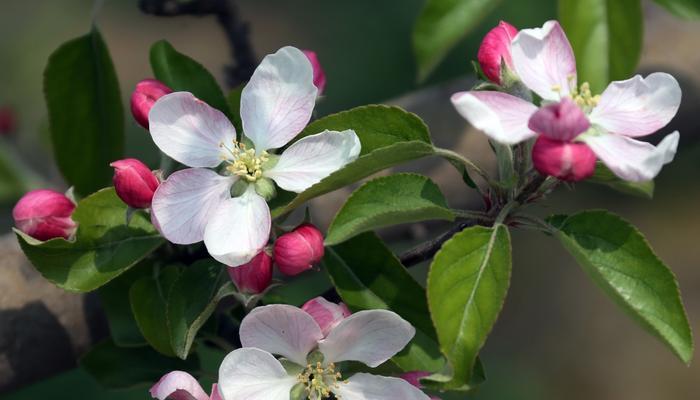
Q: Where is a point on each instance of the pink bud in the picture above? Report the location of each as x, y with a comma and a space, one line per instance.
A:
568, 161
559, 121
253, 277
495, 49
134, 182
44, 214
326, 314
297, 251
414, 378
145, 95
319, 75
8, 120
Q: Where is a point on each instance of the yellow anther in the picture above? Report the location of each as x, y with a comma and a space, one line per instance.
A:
319, 380
245, 162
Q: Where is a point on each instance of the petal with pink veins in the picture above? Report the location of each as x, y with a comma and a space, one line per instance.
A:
215, 393
277, 102
313, 158
253, 374
184, 204
370, 337
178, 385
190, 131
281, 329
630, 159
502, 117
364, 386
238, 229
638, 106
544, 60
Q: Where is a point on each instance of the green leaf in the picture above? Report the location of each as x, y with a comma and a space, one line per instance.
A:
619, 260
119, 368
192, 300
114, 299
467, 285
148, 298
441, 25
606, 36
104, 247
604, 176
689, 9
181, 73
386, 201
368, 276
85, 112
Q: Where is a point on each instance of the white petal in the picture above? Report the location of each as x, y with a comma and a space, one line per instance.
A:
190, 131
371, 337
501, 116
373, 387
253, 374
277, 102
638, 106
186, 201
281, 329
239, 229
631, 159
544, 60
178, 385
313, 158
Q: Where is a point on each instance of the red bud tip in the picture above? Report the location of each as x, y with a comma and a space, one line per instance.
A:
147, 92
297, 251
134, 182
45, 214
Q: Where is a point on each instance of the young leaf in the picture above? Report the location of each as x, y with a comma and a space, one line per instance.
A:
604, 176
441, 25
689, 9
114, 299
85, 112
104, 246
181, 73
606, 36
386, 201
467, 285
619, 260
192, 300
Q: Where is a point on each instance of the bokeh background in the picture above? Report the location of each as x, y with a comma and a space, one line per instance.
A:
558, 336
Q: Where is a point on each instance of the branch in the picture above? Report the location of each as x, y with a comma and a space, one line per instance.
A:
226, 12
427, 250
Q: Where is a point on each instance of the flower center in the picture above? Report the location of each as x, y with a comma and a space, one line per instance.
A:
583, 97
319, 380
245, 162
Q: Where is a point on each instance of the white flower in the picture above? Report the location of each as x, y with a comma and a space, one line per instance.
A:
196, 204
370, 337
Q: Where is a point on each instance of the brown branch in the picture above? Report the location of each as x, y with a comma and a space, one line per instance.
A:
427, 250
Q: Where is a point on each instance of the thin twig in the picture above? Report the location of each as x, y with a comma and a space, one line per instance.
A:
427, 250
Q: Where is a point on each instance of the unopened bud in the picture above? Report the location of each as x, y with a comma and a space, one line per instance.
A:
147, 92
326, 314
8, 120
319, 75
568, 161
297, 251
134, 182
562, 121
494, 51
253, 277
45, 214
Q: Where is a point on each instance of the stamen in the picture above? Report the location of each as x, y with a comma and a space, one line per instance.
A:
244, 162
320, 381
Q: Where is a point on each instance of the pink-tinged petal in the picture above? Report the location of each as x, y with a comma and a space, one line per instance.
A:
239, 229
364, 386
215, 393
277, 102
495, 50
178, 385
253, 374
313, 158
560, 121
370, 337
568, 161
190, 131
638, 106
281, 329
319, 74
544, 60
631, 159
502, 117
326, 314
186, 201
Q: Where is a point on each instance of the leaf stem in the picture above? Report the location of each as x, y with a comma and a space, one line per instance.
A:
468, 164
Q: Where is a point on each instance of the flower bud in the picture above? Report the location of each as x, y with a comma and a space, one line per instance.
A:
45, 214
8, 120
568, 161
495, 51
253, 277
134, 182
326, 314
319, 75
145, 95
562, 121
296, 251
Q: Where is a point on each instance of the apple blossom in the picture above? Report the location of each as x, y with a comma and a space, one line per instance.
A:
370, 337
134, 182
544, 62
221, 198
255, 276
147, 92
326, 314
179, 385
45, 214
494, 51
297, 251
319, 74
